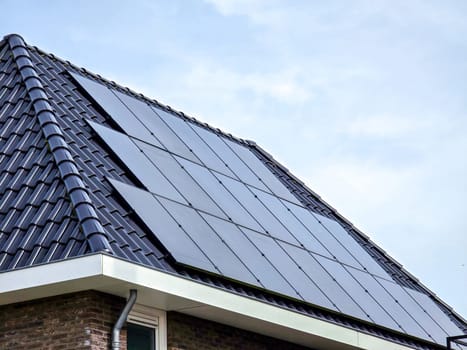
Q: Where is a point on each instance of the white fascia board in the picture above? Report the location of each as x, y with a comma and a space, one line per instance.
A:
244, 309
110, 274
50, 279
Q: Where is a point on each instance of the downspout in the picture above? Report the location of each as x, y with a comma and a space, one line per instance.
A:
122, 318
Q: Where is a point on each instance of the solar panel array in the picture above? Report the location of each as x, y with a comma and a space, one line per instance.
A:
216, 207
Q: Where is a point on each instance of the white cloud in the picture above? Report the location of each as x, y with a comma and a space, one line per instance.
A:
259, 11
283, 86
386, 125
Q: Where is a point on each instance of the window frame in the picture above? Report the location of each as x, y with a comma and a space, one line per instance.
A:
153, 318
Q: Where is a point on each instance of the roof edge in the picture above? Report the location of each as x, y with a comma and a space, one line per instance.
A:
164, 290
76, 189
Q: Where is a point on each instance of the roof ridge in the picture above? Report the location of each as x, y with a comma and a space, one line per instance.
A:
69, 173
141, 96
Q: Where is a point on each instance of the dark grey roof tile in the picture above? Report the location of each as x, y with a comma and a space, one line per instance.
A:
5, 260
72, 248
19, 259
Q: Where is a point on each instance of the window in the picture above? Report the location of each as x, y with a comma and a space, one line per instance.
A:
140, 337
146, 329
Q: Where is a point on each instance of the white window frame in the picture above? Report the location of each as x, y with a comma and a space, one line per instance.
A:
152, 318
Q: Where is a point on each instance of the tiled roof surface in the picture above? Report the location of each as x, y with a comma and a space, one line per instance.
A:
38, 217
37, 223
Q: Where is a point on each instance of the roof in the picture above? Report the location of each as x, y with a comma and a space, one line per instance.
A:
74, 154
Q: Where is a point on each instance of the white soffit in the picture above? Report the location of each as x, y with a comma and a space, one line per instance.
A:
174, 293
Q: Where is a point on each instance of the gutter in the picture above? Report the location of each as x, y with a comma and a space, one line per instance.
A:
122, 319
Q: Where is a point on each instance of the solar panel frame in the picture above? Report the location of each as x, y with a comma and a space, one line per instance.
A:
180, 179
233, 209
159, 130
261, 171
164, 227
434, 331
233, 162
116, 109
197, 145
136, 161
220, 254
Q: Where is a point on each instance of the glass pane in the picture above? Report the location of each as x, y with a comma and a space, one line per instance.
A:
324, 281
304, 286
220, 195
180, 179
434, 312
359, 294
366, 261
406, 322
302, 236
256, 209
115, 109
163, 226
156, 126
250, 255
135, 160
194, 142
261, 171
140, 337
403, 298
335, 248
225, 153
201, 233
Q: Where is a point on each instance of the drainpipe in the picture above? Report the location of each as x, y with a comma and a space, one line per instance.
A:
121, 319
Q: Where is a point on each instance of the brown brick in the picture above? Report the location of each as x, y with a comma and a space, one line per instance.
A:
84, 321
80, 321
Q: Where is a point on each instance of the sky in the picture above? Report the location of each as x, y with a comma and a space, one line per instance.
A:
365, 101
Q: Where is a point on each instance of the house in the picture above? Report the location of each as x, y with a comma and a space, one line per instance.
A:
127, 224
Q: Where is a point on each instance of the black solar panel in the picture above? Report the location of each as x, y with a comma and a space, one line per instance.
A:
215, 207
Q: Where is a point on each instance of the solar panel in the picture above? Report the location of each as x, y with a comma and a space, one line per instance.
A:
137, 162
339, 298
230, 205
335, 248
160, 130
299, 231
361, 295
109, 102
164, 227
434, 312
405, 321
303, 285
357, 252
260, 170
262, 268
268, 222
179, 178
215, 207
435, 333
230, 158
196, 144
218, 252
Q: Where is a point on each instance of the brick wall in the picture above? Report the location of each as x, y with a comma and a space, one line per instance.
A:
84, 321
191, 333
78, 321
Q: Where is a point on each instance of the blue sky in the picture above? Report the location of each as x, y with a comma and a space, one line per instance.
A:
363, 100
